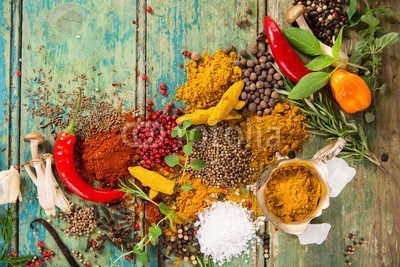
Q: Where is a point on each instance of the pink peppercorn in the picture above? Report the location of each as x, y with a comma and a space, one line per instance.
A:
149, 9
181, 66
19, 73
128, 258
133, 22
144, 77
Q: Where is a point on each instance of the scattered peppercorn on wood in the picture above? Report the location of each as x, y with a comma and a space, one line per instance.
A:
152, 179
226, 104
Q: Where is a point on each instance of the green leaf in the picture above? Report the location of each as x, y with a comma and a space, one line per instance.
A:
352, 8
171, 160
358, 52
143, 258
181, 133
384, 11
337, 44
187, 187
198, 164
320, 62
163, 208
355, 19
155, 231
370, 20
174, 132
195, 135
187, 124
187, 149
388, 39
369, 117
303, 41
381, 89
309, 84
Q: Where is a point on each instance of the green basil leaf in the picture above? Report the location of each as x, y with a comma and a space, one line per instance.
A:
388, 39
352, 8
198, 164
338, 44
355, 19
187, 187
370, 20
384, 11
369, 117
155, 232
163, 208
174, 132
143, 258
195, 135
171, 160
303, 41
187, 124
187, 149
320, 62
309, 84
181, 132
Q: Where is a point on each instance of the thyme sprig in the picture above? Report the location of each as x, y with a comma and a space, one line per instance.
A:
155, 231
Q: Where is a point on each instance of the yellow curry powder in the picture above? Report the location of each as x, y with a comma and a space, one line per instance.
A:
208, 79
293, 191
187, 203
282, 131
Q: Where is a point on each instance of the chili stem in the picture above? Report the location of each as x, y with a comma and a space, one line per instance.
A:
71, 127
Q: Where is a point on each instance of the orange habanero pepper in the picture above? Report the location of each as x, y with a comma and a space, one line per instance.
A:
350, 91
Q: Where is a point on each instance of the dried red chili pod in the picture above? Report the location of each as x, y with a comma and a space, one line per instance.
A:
64, 161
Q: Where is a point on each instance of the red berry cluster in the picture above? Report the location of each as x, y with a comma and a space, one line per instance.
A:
163, 89
46, 254
154, 138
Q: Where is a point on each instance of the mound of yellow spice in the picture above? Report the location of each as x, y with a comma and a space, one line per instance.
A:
282, 131
293, 192
208, 79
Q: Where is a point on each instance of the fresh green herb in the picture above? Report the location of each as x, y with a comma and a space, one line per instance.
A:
203, 263
309, 84
187, 187
155, 230
368, 51
304, 41
189, 135
324, 121
6, 232
321, 62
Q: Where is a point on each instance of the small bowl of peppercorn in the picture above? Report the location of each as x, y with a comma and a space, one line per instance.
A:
296, 191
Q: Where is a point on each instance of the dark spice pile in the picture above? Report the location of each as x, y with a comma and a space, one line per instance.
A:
225, 156
183, 243
261, 80
325, 17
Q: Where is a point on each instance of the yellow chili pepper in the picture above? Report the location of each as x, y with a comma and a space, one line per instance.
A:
350, 91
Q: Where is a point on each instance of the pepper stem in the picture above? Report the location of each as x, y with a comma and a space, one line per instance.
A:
71, 127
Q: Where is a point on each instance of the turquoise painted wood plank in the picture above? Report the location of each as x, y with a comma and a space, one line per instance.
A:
5, 25
68, 37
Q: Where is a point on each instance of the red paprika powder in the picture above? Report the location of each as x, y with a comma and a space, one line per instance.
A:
105, 158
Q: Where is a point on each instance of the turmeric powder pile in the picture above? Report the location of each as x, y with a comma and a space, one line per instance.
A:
283, 131
187, 203
293, 192
208, 80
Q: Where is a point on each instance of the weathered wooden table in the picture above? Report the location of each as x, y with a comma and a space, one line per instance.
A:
69, 36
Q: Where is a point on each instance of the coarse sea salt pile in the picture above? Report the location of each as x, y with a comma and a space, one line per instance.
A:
226, 230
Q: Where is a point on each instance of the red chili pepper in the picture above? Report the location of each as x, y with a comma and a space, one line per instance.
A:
286, 58
64, 160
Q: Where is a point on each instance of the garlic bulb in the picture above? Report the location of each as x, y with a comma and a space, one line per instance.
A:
9, 186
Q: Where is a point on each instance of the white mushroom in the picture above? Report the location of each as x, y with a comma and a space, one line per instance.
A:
35, 139
28, 170
295, 14
52, 186
44, 201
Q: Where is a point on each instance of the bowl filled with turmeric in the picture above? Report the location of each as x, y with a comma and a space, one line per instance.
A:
297, 191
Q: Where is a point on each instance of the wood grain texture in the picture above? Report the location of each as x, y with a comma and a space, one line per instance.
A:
69, 36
